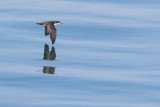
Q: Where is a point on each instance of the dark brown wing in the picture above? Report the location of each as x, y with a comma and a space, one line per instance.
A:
42, 23
46, 31
52, 32
53, 37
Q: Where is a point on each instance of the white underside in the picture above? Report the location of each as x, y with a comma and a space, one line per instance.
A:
57, 23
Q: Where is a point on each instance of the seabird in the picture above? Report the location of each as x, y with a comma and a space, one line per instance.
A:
50, 29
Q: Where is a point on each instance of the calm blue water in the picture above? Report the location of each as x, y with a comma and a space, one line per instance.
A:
107, 54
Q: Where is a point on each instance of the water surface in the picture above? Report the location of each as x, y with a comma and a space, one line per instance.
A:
106, 54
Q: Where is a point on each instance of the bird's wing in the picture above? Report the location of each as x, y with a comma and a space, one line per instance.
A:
53, 37
42, 23
52, 32
46, 31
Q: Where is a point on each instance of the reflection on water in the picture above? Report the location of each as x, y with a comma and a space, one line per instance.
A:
49, 55
106, 58
48, 70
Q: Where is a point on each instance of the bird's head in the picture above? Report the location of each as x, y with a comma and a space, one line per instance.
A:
57, 22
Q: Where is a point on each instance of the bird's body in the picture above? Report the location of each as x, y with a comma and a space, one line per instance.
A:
50, 29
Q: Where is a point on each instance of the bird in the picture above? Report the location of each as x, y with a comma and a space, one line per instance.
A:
50, 29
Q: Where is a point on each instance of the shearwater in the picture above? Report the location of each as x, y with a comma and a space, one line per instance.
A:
50, 29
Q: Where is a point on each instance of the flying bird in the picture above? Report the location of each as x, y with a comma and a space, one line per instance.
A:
50, 29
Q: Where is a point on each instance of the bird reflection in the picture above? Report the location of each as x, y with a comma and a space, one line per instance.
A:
48, 70
49, 55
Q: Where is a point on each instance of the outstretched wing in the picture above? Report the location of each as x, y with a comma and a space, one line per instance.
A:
52, 32
46, 28
46, 31
42, 23
53, 37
